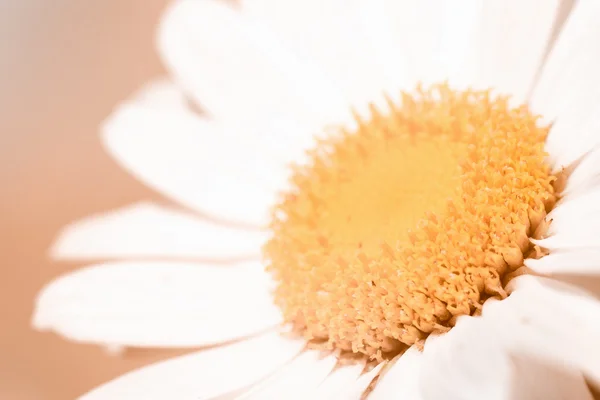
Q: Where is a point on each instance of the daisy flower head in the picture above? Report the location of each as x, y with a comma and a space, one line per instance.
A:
379, 200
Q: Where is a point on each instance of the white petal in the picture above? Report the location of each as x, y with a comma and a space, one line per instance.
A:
147, 230
574, 135
193, 161
576, 262
205, 374
158, 304
569, 87
400, 379
465, 364
550, 322
535, 379
586, 174
162, 93
237, 69
455, 46
297, 379
509, 43
471, 362
367, 48
335, 386
339, 40
569, 72
356, 390
575, 223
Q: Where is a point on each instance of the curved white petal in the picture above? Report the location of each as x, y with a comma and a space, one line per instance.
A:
236, 68
568, 241
574, 137
400, 379
586, 174
550, 322
509, 43
456, 45
363, 382
467, 364
162, 93
471, 362
569, 87
338, 382
297, 379
339, 40
368, 48
575, 261
575, 222
205, 374
147, 304
195, 162
147, 230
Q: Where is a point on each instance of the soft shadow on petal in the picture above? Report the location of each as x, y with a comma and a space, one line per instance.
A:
368, 48
466, 363
158, 304
574, 223
200, 164
471, 362
584, 263
568, 91
400, 378
586, 172
588, 282
509, 43
296, 380
337, 382
162, 93
341, 41
147, 230
237, 69
205, 374
550, 321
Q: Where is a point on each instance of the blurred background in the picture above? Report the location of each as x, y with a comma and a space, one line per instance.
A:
63, 65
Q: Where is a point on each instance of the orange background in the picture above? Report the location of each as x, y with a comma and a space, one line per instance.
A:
63, 65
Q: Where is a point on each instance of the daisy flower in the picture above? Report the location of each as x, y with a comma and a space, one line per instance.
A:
381, 199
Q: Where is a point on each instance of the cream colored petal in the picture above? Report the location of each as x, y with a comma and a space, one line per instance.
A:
367, 48
575, 223
471, 362
363, 383
466, 364
551, 322
158, 304
147, 230
296, 380
207, 167
568, 91
205, 374
574, 261
339, 42
586, 174
509, 43
573, 136
569, 72
237, 69
337, 382
456, 45
400, 379
162, 93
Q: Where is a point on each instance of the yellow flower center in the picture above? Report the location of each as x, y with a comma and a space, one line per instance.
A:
393, 230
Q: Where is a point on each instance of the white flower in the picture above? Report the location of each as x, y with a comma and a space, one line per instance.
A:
270, 74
